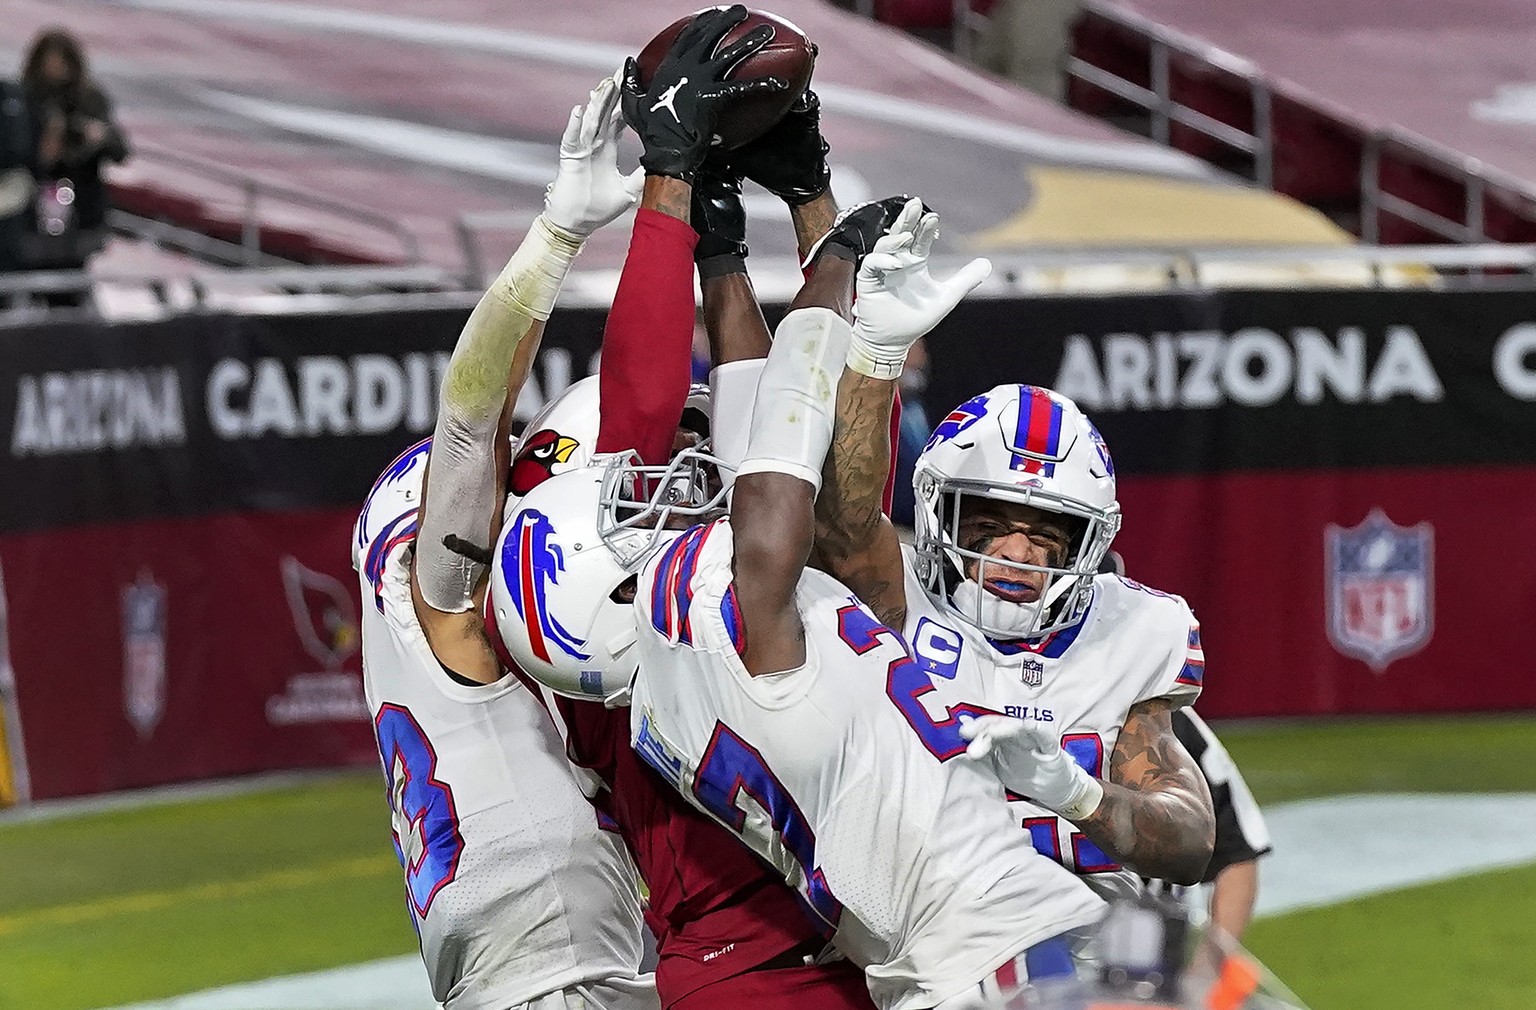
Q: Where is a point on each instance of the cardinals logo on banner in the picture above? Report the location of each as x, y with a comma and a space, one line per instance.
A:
1381, 589
324, 613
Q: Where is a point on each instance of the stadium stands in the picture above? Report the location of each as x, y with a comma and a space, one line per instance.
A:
1399, 120
373, 108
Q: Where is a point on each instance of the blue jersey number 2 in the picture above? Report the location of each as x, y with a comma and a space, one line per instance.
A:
732, 766
906, 684
425, 824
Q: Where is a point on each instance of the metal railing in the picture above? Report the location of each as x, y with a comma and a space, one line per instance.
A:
1163, 110
1063, 272
253, 193
31, 292
1158, 101
470, 228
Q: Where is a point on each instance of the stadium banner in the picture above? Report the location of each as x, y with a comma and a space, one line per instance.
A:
1339, 482
179, 601
1336, 480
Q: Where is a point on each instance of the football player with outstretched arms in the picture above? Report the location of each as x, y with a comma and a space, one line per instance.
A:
770, 698
730, 932
1015, 508
519, 899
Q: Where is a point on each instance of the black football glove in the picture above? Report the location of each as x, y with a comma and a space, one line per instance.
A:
790, 160
718, 217
676, 116
857, 229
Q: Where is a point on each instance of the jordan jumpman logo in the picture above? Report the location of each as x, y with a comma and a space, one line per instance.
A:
668, 96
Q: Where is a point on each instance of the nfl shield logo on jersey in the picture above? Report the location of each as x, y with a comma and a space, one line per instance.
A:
1032, 672
144, 653
1381, 589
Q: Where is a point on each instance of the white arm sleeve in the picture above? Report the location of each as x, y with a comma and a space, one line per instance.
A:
797, 396
732, 395
461, 479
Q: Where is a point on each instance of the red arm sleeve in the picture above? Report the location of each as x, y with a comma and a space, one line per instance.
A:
648, 341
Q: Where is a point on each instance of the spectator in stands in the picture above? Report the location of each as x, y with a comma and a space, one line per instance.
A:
75, 135
16, 187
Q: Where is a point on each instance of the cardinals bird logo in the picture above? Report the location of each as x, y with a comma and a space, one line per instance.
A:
535, 461
324, 613
532, 563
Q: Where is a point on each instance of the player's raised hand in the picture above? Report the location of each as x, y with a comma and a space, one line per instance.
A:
675, 117
1028, 759
790, 160
720, 220
898, 299
856, 230
588, 191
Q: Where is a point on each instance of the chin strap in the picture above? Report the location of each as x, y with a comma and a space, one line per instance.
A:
999, 617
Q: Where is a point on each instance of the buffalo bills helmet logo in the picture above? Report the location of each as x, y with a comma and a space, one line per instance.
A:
1103, 450
540, 451
532, 562
959, 419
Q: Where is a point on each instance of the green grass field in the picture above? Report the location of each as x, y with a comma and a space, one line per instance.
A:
109, 908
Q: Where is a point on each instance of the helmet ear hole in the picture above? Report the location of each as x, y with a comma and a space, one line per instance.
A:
624, 593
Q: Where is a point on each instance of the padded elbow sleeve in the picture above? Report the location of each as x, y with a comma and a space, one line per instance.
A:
732, 397
797, 396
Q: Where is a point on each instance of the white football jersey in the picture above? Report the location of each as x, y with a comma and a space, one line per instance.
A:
1133, 644
845, 776
513, 888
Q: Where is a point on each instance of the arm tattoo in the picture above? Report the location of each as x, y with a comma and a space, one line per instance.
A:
674, 202
854, 540
813, 220
1156, 815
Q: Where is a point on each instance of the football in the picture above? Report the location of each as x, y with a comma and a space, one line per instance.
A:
788, 55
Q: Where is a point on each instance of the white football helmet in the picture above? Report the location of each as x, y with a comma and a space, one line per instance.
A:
565, 554
562, 436
1027, 445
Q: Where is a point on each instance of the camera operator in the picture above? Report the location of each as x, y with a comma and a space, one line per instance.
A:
75, 134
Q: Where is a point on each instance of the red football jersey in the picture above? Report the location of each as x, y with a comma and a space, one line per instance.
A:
715, 908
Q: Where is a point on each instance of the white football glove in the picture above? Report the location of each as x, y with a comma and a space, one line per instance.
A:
1029, 760
588, 191
898, 299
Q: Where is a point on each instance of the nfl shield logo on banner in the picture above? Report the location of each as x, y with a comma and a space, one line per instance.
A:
1381, 589
1032, 672
144, 653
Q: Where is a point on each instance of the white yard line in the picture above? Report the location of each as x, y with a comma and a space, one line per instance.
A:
1344, 847
189, 792
1327, 851
396, 983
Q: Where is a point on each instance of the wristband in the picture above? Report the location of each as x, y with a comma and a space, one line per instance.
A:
1089, 794
721, 264
868, 358
531, 280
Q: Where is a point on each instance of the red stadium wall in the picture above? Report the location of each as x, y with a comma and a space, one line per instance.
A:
179, 601
1248, 552
165, 650
174, 537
